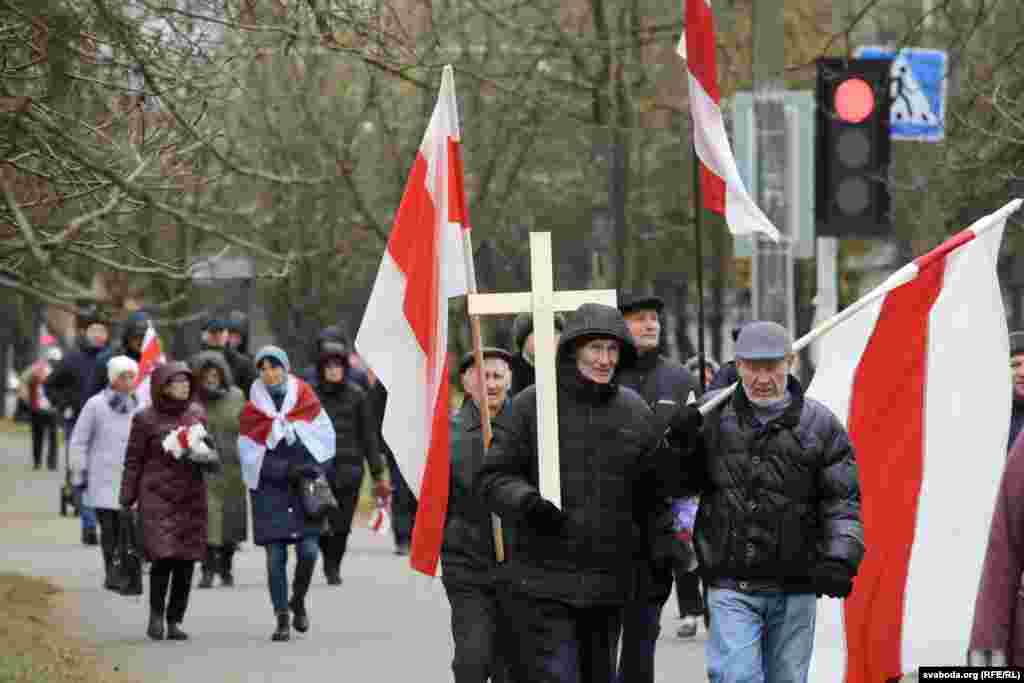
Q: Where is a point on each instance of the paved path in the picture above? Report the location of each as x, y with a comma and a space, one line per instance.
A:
384, 621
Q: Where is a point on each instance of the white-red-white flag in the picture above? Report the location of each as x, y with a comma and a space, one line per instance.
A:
919, 377
152, 355
720, 182
404, 333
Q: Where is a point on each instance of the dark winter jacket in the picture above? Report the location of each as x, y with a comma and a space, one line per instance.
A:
999, 608
467, 555
609, 462
1016, 421
523, 375
71, 383
134, 326
665, 385
777, 499
170, 493
356, 430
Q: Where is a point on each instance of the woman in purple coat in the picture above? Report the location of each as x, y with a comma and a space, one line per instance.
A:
163, 473
997, 637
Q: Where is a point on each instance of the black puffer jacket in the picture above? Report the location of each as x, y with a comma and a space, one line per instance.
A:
777, 499
657, 378
609, 457
467, 555
355, 429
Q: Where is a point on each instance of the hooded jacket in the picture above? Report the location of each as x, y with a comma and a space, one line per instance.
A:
610, 456
170, 492
333, 334
227, 500
348, 407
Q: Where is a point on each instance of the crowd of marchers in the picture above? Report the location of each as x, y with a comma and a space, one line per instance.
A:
750, 513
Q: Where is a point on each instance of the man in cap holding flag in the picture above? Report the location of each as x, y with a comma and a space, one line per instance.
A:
779, 522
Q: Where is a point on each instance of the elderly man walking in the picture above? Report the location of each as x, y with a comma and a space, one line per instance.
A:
569, 570
779, 520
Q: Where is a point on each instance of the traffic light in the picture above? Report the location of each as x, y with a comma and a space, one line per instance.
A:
853, 148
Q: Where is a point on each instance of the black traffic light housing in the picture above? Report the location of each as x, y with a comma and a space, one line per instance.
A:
853, 148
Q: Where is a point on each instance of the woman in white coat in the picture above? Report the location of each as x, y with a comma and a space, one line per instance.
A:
98, 445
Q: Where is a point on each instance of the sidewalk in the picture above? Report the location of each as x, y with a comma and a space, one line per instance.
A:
385, 622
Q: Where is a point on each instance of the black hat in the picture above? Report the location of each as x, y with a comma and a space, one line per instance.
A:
523, 326
489, 352
594, 321
1016, 343
90, 315
628, 301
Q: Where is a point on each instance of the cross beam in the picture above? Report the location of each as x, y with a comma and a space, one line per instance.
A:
543, 301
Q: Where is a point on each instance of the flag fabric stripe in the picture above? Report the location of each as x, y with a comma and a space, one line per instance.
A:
721, 184
404, 333
874, 612
919, 377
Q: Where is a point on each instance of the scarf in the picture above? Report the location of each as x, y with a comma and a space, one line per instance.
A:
122, 404
263, 425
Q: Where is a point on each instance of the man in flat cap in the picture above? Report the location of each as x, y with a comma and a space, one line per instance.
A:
523, 372
1017, 368
664, 384
468, 554
779, 519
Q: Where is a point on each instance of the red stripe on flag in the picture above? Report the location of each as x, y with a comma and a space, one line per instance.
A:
886, 425
702, 61
413, 248
432, 508
457, 209
700, 46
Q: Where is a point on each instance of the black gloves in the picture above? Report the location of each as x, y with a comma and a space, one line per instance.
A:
298, 472
543, 516
684, 426
832, 578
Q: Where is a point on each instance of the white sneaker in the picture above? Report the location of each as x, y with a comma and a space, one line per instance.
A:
688, 629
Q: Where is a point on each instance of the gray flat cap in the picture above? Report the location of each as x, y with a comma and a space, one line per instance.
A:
763, 340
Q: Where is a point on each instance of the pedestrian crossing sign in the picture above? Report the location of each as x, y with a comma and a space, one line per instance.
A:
917, 90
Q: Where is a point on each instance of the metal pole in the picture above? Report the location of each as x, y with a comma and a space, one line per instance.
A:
698, 221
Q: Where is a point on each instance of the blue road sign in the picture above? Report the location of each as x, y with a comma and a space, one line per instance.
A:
918, 91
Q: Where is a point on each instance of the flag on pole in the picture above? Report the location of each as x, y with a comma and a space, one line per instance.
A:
919, 377
152, 355
720, 181
404, 333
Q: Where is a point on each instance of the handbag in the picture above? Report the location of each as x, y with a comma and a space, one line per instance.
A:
317, 498
128, 553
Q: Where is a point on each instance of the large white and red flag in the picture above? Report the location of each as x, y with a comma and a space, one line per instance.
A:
152, 355
721, 185
404, 333
919, 377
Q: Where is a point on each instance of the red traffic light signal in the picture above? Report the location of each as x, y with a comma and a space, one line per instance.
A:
854, 100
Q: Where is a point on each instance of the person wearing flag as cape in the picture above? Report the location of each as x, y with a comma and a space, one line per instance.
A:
285, 437
469, 567
569, 571
779, 521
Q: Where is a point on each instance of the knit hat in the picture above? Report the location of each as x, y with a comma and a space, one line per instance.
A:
763, 340
275, 355
489, 352
216, 323
119, 365
1016, 343
630, 301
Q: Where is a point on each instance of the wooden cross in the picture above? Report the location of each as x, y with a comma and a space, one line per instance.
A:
543, 301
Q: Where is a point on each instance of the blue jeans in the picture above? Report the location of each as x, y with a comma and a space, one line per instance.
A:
760, 637
85, 513
307, 551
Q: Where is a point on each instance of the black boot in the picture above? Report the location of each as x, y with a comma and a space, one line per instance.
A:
156, 625
209, 564
227, 556
111, 575
283, 631
303, 577
174, 632
90, 537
